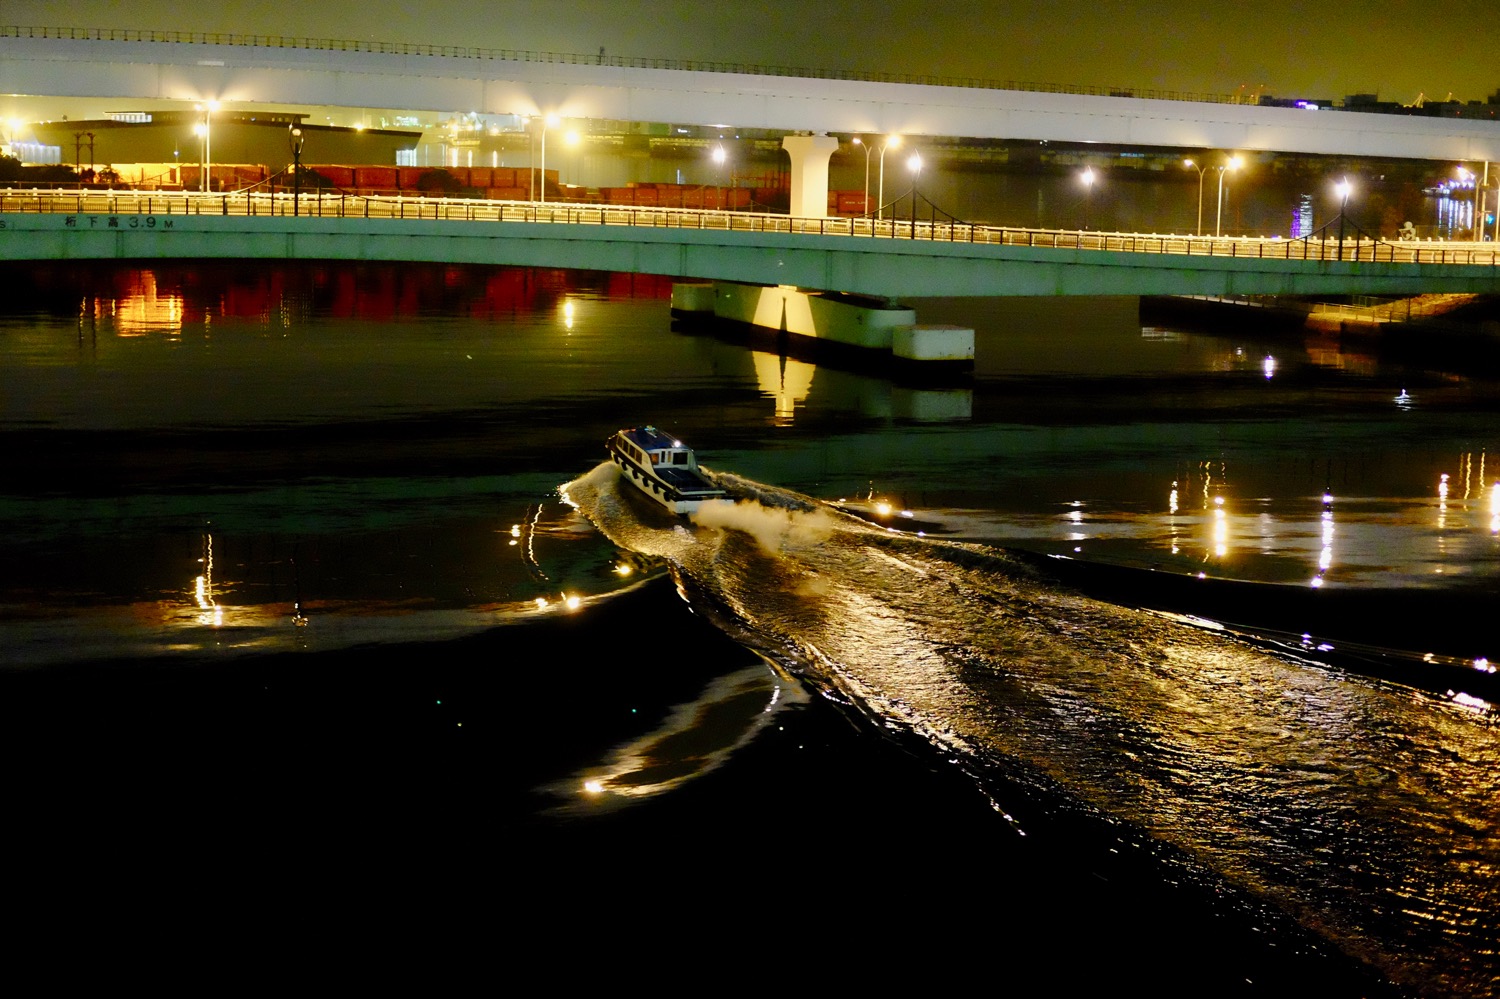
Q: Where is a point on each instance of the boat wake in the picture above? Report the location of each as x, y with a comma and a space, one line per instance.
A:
1360, 809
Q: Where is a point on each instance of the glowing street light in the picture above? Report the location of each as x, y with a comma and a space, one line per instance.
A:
552, 120
866, 146
1233, 164
294, 137
720, 158
1201, 171
1088, 192
208, 110
894, 142
1343, 188
13, 128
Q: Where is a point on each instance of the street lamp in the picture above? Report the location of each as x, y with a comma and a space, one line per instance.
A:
1343, 189
719, 157
1201, 171
550, 119
1088, 193
914, 164
866, 146
894, 142
1233, 164
202, 173
294, 138
208, 110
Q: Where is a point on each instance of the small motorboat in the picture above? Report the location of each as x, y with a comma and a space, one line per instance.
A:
662, 467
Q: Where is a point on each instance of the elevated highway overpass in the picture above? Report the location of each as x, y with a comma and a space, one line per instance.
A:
268, 70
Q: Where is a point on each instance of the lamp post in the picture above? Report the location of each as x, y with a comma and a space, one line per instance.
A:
866, 146
914, 164
1233, 164
894, 142
1201, 171
550, 119
1343, 189
719, 157
202, 173
208, 110
294, 138
1088, 193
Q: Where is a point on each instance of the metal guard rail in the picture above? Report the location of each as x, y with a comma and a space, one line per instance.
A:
140, 203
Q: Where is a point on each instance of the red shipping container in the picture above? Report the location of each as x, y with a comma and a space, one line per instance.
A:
338, 176
376, 177
852, 203
481, 177
507, 194
408, 177
502, 176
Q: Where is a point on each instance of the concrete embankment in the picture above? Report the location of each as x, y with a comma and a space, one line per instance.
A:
1459, 331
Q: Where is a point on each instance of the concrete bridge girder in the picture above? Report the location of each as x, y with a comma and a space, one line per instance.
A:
883, 267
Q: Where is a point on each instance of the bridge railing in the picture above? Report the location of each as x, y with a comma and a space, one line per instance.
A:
155, 204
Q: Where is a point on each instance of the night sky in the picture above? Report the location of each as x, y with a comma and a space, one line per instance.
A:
1291, 48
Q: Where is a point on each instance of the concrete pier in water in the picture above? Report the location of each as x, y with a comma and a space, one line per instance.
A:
847, 323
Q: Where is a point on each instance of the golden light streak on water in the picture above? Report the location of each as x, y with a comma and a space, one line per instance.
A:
1221, 528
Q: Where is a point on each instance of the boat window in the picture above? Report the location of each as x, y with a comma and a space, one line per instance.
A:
655, 458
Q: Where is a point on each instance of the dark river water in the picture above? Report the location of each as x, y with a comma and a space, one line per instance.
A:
1150, 653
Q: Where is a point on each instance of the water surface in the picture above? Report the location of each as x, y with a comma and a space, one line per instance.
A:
262, 472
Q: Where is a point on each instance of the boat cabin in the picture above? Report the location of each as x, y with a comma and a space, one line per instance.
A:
649, 446
663, 468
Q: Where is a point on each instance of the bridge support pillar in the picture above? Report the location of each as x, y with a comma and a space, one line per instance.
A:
810, 154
